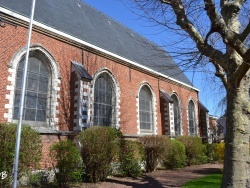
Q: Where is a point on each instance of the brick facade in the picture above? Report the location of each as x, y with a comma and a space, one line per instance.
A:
72, 98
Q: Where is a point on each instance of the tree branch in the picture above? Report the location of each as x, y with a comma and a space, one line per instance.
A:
216, 56
222, 2
245, 33
221, 74
218, 24
183, 21
242, 70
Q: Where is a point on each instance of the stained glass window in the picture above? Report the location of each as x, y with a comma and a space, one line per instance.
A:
145, 108
36, 91
191, 118
104, 101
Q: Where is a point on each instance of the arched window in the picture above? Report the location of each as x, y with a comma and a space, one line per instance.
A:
145, 109
37, 91
104, 101
177, 127
191, 118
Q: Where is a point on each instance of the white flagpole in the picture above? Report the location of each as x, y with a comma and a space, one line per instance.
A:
18, 133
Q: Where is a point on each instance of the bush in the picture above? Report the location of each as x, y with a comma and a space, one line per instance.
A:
29, 155
195, 150
67, 159
155, 149
100, 147
175, 155
220, 151
131, 157
211, 152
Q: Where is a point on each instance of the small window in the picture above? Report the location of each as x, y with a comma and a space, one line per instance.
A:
104, 101
36, 91
191, 118
176, 109
145, 108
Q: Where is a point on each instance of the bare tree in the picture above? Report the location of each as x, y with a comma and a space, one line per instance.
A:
216, 32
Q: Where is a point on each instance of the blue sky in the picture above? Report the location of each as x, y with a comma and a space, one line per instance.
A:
117, 9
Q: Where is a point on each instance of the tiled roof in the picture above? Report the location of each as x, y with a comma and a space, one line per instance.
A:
79, 20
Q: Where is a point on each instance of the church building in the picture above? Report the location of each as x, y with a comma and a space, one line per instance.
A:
86, 69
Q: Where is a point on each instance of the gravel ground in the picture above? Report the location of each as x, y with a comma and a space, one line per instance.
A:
159, 178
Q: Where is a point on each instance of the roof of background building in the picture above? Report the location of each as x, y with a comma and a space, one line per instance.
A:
79, 20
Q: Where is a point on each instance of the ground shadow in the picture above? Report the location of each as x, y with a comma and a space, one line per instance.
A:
208, 171
145, 182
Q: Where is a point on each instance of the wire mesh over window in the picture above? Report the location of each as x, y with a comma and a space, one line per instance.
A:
36, 91
145, 108
191, 118
176, 108
104, 101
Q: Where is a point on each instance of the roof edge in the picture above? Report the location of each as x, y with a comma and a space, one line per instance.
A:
75, 39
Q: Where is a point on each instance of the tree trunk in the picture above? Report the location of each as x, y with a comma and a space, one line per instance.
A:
236, 172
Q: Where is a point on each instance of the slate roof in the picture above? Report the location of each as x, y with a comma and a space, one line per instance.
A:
203, 107
78, 19
164, 93
82, 71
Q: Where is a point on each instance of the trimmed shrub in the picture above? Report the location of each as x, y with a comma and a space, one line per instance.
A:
211, 152
131, 157
175, 155
67, 159
195, 150
29, 155
220, 151
155, 148
100, 147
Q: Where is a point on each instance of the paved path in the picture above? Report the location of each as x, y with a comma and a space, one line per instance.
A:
160, 178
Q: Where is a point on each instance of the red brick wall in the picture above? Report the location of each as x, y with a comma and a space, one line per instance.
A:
48, 141
185, 96
12, 40
73, 109
129, 80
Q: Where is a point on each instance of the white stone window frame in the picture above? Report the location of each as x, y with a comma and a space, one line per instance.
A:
196, 128
180, 113
154, 129
52, 119
117, 95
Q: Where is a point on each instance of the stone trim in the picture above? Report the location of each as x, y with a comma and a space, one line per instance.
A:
196, 117
154, 111
117, 92
166, 107
181, 115
52, 119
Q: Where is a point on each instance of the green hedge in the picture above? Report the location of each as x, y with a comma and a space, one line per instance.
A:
155, 149
131, 157
211, 152
30, 151
195, 150
175, 155
100, 147
220, 149
66, 157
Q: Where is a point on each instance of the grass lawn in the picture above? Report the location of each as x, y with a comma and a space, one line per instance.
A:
210, 181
